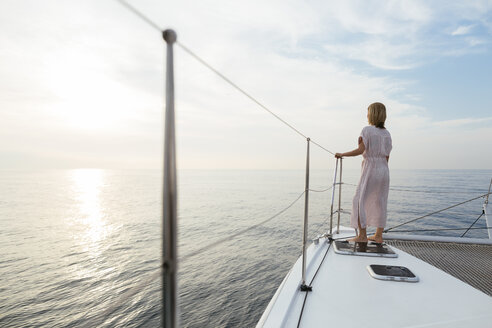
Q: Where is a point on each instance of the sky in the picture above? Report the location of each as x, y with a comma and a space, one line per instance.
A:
82, 82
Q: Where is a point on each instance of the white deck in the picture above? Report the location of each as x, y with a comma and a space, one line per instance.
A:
345, 295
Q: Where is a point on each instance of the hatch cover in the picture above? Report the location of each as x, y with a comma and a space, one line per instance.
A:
363, 249
391, 272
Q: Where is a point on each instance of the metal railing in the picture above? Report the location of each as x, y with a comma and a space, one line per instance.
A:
333, 196
487, 199
339, 196
335, 183
304, 287
169, 198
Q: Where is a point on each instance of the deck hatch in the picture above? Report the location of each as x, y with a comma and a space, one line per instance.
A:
363, 249
391, 272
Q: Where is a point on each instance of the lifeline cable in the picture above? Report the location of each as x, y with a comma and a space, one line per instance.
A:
483, 212
424, 216
444, 229
421, 191
311, 283
218, 242
139, 14
323, 190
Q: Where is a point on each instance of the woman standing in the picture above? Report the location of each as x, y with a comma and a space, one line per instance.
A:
371, 196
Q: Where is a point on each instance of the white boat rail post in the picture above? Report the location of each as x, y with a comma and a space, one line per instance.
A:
304, 287
333, 197
339, 196
169, 198
487, 199
488, 218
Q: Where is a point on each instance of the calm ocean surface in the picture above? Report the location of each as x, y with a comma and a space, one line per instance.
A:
73, 242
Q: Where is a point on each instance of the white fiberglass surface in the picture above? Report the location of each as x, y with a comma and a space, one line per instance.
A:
344, 294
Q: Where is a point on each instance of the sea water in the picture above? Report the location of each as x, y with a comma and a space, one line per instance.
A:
81, 248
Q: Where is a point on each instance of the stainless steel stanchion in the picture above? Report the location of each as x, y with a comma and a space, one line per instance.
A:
169, 199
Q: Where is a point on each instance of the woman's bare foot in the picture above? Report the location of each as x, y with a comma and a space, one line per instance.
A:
376, 239
358, 239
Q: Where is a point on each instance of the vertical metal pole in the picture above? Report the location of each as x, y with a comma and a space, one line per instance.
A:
339, 195
333, 197
487, 199
169, 199
304, 287
488, 218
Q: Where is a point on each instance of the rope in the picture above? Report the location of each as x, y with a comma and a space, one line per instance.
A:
317, 144
447, 208
421, 191
323, 190
214, 244
311, 283
302, 309
433, 192
139, 14
316, 273
422, 230
443, 229
483, 212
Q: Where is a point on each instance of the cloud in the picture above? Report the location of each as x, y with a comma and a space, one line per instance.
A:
378, 53
405, 34
382, 18
463, 30
290, 55
385, 35
461, 122
476, 41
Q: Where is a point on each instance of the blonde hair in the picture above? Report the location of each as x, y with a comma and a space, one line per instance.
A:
377, 114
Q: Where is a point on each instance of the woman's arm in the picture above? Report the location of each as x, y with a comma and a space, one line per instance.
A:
356, 152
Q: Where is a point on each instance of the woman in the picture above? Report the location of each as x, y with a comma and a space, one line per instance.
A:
371, 196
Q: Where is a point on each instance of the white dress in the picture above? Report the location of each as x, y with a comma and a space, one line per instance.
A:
371, 196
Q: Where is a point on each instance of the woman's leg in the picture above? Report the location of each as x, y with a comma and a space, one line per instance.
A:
361, 236
378, 236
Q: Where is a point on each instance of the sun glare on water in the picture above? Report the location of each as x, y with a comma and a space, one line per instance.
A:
87, 185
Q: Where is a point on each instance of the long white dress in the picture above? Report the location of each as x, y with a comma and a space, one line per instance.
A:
371, 196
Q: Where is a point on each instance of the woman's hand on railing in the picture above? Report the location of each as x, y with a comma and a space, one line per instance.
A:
339, 155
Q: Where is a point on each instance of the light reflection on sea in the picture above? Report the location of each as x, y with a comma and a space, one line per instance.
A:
72, 242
